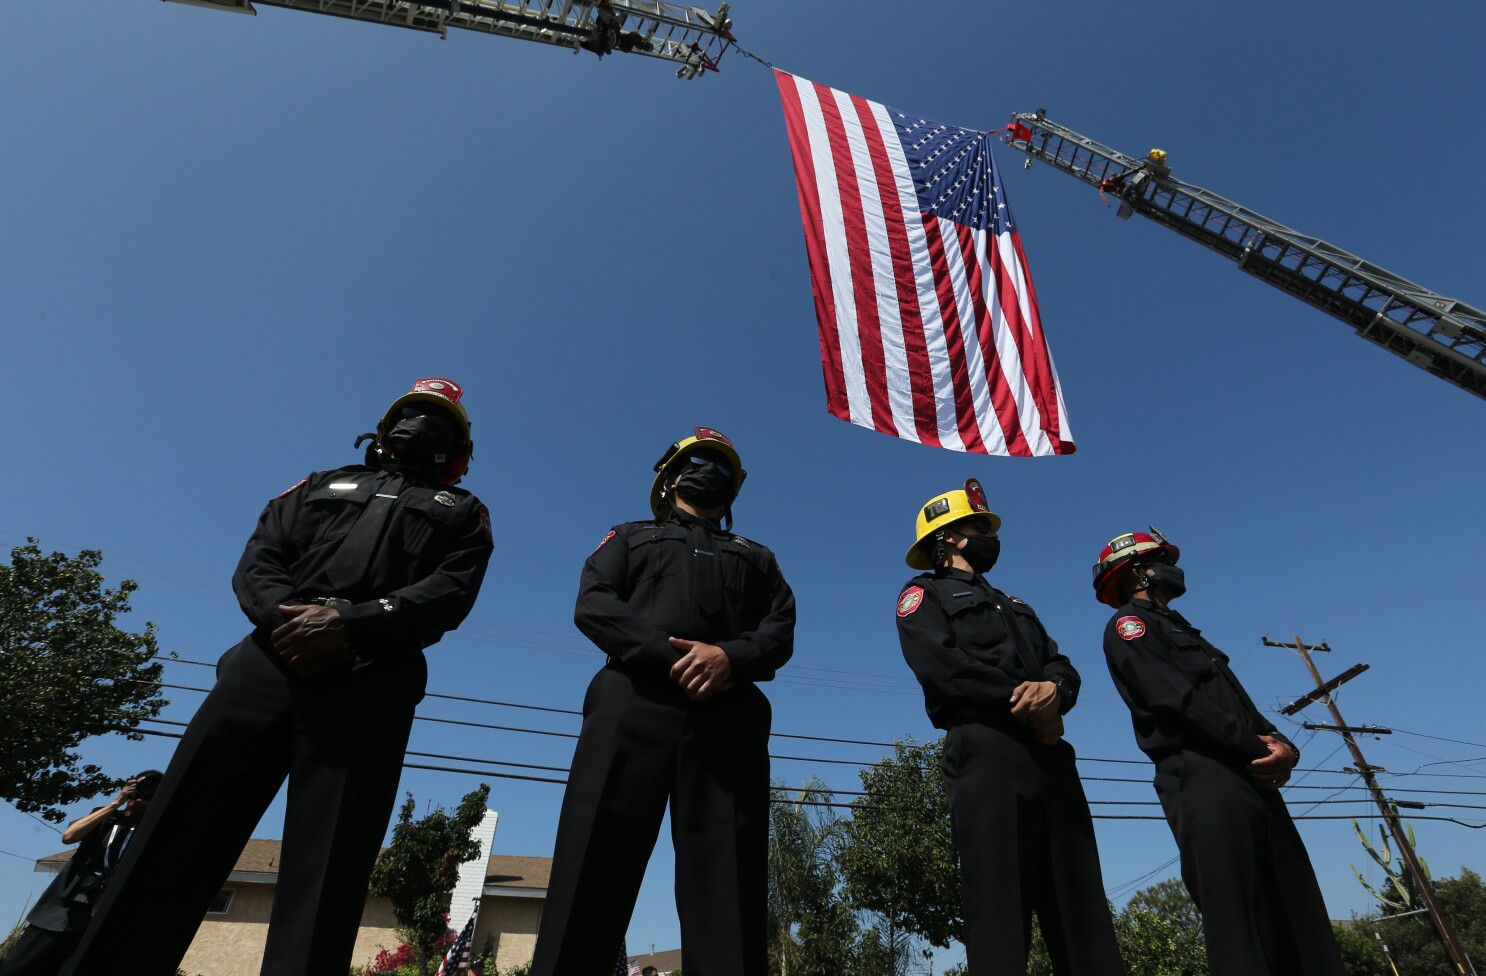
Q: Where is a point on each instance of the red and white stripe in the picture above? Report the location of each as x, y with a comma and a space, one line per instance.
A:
929, 330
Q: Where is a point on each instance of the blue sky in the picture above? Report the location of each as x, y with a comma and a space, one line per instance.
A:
226, 243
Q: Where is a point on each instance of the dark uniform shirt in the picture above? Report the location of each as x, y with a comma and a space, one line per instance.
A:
422, 578
641, 586
970, 646
1180, 690
67, 903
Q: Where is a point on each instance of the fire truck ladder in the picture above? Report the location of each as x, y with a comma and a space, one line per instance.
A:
688, 36
1443, 336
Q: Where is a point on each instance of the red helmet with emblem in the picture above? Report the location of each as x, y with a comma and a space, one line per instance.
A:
704, 440
1118, 557
442, 392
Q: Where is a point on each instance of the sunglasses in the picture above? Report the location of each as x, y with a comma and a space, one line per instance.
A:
436, 415
722, 464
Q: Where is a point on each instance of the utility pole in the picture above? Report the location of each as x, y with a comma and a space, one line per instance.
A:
1322, 693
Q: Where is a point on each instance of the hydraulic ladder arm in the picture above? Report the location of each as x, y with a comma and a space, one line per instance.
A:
1441, 335
688, 36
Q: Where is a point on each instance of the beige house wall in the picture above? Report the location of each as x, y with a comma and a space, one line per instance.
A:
232, 944
512, 922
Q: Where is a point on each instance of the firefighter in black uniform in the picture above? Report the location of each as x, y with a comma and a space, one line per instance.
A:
1219, 766
61, 914
348, 576
994, 680
691, 616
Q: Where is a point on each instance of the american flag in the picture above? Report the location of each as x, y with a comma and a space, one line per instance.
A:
623, 967
457, 959
929, 329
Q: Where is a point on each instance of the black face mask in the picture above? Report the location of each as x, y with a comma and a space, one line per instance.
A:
1169, 578
420, 443
705, 485
981, 552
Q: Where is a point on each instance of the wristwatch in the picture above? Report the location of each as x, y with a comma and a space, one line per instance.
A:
1065, 692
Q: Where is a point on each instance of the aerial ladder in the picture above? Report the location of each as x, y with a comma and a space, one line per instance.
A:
1440, 335
691, 38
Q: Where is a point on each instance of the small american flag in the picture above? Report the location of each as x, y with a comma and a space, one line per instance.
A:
457, 959
623, 967
929, 329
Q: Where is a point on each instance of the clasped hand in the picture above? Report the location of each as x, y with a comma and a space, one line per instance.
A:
1273, 770
704, 669
312, 641
1037, 704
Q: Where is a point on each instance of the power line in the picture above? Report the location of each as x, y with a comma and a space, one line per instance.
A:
469, 629
1441, 738
47, 824
1121, 889
820, 789
567, 711
854, 806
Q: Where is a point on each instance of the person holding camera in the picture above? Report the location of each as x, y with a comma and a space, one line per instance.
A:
56, 924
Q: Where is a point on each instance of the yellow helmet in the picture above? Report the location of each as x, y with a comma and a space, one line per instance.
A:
944, 510
712, 441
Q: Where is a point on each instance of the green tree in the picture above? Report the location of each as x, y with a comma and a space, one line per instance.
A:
898, 860
812, 931
1412, 940
1159, 934
67, 672
1154, 944
1169, 899
10, 940
418, 871
1361, 953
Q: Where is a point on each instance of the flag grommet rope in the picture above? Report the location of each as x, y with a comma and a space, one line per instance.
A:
929, 328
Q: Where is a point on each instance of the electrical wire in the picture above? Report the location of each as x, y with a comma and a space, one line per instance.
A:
1441, 738
1129, 886
779, 735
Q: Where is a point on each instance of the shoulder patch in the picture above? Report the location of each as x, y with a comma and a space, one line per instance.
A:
485, 524
1130, 628
605, 539
298, 484
911, 600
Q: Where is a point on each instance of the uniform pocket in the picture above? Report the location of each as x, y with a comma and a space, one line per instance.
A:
332, 507
742, 565
423, 523
657, 553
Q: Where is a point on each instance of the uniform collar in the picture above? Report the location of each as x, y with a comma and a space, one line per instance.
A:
687, 521
1150, 606
974, 579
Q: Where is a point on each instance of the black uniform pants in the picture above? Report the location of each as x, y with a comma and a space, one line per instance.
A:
1026, 844
1246, 868
339, 739
39, 952
643, 743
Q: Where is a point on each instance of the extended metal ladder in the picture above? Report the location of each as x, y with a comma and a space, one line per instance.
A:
1443, 336
688, 36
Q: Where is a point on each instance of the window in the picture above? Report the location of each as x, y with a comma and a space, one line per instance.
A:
221, 902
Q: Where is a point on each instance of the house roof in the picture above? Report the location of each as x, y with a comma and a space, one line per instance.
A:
666, 961
261, 857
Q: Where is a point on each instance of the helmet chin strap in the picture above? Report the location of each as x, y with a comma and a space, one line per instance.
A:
941, 550
1153, 590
